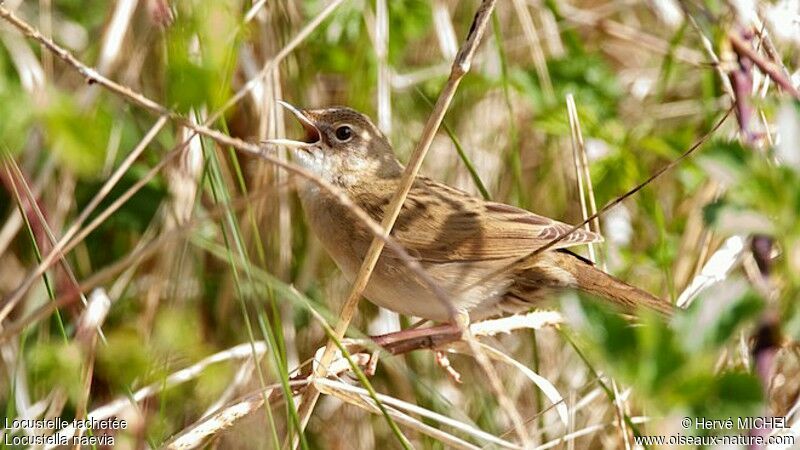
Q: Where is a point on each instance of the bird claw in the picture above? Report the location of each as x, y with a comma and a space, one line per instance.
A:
372, 363
444, 362
340, 365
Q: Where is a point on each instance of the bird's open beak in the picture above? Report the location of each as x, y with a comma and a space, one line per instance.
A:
312, 132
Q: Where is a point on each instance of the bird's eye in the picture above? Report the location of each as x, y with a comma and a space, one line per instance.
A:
344, 133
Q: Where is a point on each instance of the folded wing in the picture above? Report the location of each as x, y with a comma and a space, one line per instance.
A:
440, 224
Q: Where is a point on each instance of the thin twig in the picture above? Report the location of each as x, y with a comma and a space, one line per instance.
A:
741, 46
539, 60
139, 255
94, 77
709, 48
224, 417
577, 149
460, 67
703, 139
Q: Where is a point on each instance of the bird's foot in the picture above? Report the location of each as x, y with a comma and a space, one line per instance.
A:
418, 338
340, 364
372, 363
444, 362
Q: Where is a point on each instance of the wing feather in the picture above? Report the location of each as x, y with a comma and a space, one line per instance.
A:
440, 224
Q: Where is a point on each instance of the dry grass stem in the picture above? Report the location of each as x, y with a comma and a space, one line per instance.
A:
200, 432
241, 351
585, 432
581, 169
767, 67
60, 247
221, 138
154, 254
334, 387
532, 37
460, 67
699, 143
583, 175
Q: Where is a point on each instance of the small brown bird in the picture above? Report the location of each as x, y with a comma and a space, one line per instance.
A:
459, 239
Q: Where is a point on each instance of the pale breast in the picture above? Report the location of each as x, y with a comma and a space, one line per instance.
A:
392, 285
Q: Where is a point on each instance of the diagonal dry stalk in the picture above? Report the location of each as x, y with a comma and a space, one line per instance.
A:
118, 405
75, 235
47, 43
45, 52
583, 176
225, 140
539, 59
213, 424
571, 437
94, 77
18, 182
272, 64
709, 48
226, 416
624, 32
14, 222
666, 168
205, 429
59, 247
772, 70
137, 256
460, 67
400, 412
581, 171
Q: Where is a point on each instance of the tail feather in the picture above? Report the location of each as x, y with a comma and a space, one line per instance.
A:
556, 270
592, 280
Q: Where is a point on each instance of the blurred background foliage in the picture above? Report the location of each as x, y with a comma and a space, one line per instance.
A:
210, 250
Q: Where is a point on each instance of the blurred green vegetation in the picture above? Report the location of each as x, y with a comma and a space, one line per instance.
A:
673, 364
229, 259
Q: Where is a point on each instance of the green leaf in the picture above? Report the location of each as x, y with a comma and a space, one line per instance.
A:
673, 364
646, 355
78, 137
56, 364
16, 114
124, 359
201, 52
730, 394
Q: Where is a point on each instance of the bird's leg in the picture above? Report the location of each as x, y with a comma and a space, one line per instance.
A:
431, 337
417, 338
444, 363
372, 364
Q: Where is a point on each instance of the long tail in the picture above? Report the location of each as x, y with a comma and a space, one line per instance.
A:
592, 280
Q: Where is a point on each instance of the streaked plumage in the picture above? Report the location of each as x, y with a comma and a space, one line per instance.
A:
458, 238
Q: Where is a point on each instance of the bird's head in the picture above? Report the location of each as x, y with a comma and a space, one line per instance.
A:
341, 145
